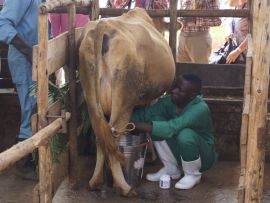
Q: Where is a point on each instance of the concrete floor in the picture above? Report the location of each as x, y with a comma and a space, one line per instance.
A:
215, 187
219, 185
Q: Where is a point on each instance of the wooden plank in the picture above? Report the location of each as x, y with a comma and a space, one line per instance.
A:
244, 132
246, 108
54, 110
247, 86
35, 63
258, 103
241, 187
57, 53
173, 25
71, 73
218, 75
60, 170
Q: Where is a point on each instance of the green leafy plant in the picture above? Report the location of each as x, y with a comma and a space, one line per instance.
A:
57, 143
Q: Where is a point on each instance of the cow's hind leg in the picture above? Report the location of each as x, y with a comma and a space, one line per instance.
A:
118, 177
97, 178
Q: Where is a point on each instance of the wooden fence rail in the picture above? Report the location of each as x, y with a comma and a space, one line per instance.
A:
162, 13
21, 149
50, 5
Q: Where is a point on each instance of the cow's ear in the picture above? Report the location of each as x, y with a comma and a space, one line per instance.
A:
105, 44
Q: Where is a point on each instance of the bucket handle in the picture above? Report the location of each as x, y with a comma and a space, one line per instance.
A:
145, 144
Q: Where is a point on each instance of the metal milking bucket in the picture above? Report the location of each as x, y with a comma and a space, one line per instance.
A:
134, 148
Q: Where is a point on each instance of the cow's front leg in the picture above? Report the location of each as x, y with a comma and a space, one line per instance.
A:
119, 179
97, 179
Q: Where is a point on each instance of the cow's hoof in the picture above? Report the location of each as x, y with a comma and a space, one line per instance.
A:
127, 193
95, 186
132, 193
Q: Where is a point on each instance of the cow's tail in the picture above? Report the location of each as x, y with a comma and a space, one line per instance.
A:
104, 135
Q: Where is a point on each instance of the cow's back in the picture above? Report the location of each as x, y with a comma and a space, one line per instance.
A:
129, 42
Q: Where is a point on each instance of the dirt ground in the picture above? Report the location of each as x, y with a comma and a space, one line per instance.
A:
219, 185
14, 189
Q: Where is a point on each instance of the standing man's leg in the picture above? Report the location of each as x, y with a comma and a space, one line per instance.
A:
182, 53
25, 166
198, 46
26, 103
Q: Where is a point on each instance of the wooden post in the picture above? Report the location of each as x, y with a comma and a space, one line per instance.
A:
45, 160
258, 102
71, 72
245, 122
35, 194
95, 10
173, 25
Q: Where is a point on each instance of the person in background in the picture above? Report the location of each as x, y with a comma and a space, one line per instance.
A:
152, 4
19, 29
195, 41
238, 30
181, 128
59, 24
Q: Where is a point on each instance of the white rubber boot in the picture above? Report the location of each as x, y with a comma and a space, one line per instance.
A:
167, 158
192, 174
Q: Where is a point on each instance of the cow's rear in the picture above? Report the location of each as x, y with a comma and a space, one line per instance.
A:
124, 62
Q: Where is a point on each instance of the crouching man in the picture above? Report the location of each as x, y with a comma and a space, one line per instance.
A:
181, 128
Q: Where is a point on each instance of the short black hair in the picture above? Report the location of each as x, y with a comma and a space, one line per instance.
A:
195, 80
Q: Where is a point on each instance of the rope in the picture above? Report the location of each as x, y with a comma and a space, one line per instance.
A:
123, 131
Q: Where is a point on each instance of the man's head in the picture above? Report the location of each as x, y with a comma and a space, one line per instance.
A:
186, 88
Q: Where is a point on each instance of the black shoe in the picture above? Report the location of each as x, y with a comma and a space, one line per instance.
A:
26, 168
27, 173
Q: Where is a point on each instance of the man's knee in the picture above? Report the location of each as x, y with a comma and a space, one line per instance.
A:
187, 137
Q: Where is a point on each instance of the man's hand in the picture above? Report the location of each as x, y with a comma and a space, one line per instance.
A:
233, 56
143, 127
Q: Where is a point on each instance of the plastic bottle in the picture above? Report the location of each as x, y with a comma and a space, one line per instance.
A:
165, 182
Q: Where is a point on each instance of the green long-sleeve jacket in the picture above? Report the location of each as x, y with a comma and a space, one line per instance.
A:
168, 121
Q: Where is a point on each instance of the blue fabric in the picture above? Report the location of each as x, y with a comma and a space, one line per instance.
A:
20, 17
233, 25
27, 103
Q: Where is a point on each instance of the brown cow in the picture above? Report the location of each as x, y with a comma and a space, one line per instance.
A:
124, 62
